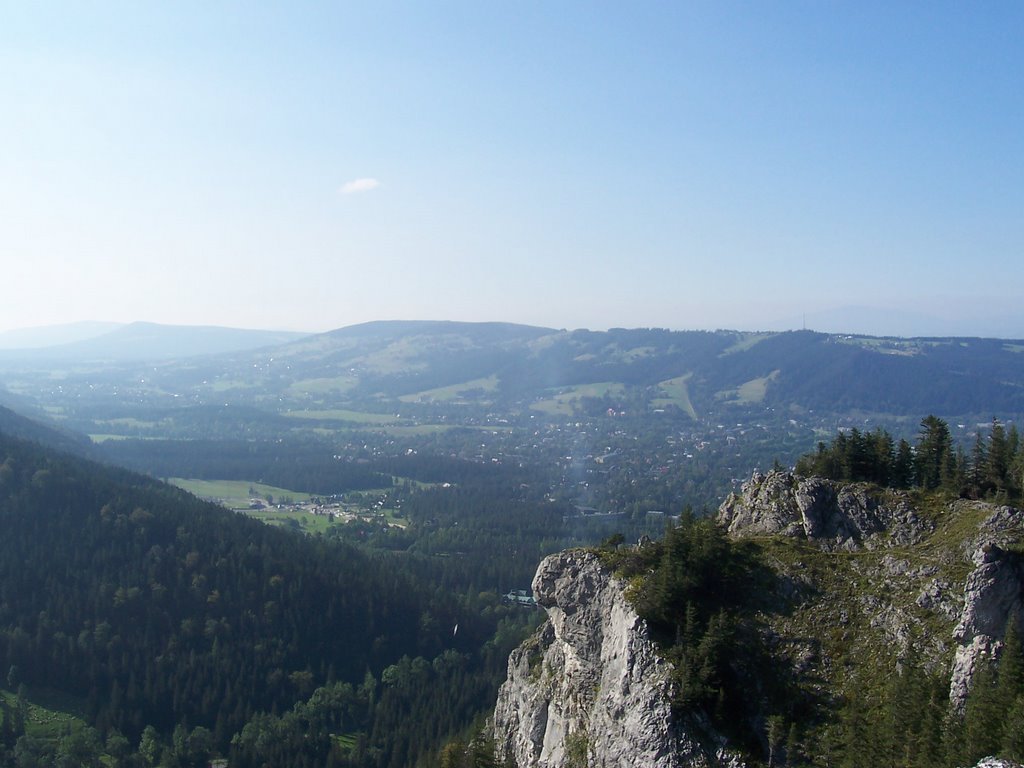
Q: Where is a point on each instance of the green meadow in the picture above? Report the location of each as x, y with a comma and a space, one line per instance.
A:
676, 392
235, 494
453, 391
565, 401
49, 713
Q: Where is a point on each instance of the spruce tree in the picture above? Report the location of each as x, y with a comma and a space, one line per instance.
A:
998, 461
1012, 745
1015, 470
1010, 684
903, 466
982, 714
793, 757
977, 472
933, 459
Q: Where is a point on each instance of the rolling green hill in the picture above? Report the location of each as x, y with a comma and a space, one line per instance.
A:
458, 370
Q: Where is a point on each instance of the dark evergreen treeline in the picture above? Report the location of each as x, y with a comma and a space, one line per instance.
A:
296, 464
909, 723
300, 464
994, 469
486, 537
416, 703
177, 623
512, 534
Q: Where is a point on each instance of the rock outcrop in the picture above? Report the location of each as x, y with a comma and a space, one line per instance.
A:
996, 762
833, 515
881, 581
992, 598
848, 517
589, 688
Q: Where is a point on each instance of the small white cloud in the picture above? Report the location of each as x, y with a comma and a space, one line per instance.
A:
359, 185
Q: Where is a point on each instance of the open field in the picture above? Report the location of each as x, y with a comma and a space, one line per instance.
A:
303, 521
453, 391
229, 385
753, 391
125, 423
236, 494
746, 342
421, 429
341, 414
635, 353
564, 403
401, 355
677, 393
294, 519
749, 392
50, 713
324, 386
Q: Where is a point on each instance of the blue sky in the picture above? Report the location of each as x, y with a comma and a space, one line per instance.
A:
683, 165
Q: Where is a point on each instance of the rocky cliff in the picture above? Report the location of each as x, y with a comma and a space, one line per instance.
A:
834, 516
992, 598
863, 579
956, 561
589, 688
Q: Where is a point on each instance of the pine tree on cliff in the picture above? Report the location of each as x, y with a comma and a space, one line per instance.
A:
903, 466
997, 465
1015, 472
1009, 693
934, 460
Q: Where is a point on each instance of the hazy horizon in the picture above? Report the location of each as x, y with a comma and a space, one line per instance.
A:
841, 321
688, 166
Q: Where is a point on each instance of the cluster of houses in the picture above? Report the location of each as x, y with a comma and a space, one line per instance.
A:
520, 597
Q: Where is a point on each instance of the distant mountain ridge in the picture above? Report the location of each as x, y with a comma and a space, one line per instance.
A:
154, 341
908, 323
719, 370
52, 335
452, 373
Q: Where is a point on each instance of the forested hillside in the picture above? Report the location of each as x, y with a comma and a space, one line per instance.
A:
162, 613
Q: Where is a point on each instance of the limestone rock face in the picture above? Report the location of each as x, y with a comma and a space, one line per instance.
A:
854, 516
589, 688
996, 762
833, 515
992, 596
